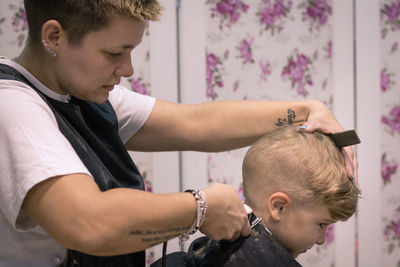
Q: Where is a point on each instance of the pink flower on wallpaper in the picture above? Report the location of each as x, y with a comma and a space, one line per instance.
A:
328, 50
391, 232
393, 119
139, 86
213, 74
245, 50
226, 54
1, 22
316, 12
388, 169
236, 86
324, 84
211, 179
19, 22
20, 19
395, 47
390, 16
330, 235
271, 14
227, 11
386, 80
265, 69
147, 183
147, 186
297, 70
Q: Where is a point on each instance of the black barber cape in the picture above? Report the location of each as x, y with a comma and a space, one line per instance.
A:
260, 249
92, 130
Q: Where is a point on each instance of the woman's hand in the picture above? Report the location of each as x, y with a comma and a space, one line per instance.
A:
226, 217
321, 119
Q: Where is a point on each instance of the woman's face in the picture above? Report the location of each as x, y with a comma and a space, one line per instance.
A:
90, 70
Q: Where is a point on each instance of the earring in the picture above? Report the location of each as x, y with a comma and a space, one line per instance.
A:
49, 49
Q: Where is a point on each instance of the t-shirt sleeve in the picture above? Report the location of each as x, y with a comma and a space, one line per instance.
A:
132, 110
32, 149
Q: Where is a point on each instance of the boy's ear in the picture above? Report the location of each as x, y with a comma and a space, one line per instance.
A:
278, 204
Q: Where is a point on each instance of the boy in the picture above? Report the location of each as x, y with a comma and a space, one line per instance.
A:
296, 183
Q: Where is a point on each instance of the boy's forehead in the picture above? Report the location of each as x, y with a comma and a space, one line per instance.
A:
320, 212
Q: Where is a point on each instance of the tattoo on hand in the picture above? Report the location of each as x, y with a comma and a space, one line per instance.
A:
290, 119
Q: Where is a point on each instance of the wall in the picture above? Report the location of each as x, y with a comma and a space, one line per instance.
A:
389, 71
349, 59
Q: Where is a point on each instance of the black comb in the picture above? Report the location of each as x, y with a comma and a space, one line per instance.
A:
346, 138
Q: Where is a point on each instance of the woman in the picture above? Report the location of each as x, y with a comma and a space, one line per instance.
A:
66, 178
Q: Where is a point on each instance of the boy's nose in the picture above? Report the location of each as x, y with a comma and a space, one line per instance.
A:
321, 238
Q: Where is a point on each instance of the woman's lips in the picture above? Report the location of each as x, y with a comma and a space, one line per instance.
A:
108, 87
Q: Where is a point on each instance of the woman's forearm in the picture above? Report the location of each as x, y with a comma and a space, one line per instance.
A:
79, 216
234, 124
134, 221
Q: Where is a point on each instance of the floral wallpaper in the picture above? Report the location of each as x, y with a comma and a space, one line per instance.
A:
390, 130
13, 27
13, 35
273, 50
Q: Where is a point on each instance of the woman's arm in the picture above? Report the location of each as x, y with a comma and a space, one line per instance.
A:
215, 126
78, 215
226, 125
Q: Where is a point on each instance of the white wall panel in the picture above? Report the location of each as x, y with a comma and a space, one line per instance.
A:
163, 49
344, 109
368, 125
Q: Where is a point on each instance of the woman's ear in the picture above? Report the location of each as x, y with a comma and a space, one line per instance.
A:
278, 204
51, 34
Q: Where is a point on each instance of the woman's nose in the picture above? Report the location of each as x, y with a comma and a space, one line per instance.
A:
125, 69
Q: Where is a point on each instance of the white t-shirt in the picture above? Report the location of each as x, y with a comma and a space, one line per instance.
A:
32, 149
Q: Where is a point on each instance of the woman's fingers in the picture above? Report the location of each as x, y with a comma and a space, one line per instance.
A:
351, 162
226, 217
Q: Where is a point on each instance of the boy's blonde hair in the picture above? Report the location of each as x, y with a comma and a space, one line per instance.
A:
79, 17
308, 167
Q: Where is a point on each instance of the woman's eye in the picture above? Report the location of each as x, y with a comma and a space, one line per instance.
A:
114, 54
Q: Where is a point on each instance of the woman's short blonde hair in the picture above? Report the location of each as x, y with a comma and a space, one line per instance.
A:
308, 167
83, 16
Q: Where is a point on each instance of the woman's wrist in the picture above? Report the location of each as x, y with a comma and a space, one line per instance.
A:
201, 209
312, 106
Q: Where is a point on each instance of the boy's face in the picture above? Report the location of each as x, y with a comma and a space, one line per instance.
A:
302, 227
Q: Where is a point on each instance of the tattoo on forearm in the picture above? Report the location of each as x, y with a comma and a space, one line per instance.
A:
157, 239
157, 236
290, 119
291, 116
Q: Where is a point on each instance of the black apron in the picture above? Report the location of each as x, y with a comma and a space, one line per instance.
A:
260, 249
92, 130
